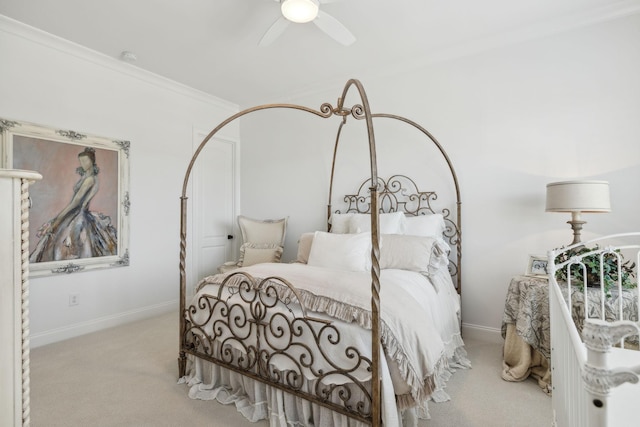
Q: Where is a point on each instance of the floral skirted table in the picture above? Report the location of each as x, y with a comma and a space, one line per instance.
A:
526, 327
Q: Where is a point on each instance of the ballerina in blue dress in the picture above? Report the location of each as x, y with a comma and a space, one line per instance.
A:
76, 232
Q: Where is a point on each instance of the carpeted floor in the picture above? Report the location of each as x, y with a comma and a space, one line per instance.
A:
127, 376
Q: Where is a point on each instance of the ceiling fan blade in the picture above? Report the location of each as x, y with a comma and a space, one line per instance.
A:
334, 28
275, 30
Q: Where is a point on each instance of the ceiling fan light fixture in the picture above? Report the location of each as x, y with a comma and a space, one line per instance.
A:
300, 11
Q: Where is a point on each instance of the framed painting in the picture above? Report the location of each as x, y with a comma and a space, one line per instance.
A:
537, 266
79, 216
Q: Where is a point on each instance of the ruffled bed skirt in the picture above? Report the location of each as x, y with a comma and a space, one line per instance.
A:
258, 401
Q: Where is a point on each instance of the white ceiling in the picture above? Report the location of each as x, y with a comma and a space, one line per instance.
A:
212, 45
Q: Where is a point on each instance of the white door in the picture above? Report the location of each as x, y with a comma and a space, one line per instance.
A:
213, 207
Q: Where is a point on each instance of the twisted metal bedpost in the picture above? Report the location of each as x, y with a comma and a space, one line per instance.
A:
459, 244
324, 112
333, 169
365, 113
458, 234
182, 358
375, 309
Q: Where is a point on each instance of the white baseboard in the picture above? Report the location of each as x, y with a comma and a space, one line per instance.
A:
94, 325
482, 333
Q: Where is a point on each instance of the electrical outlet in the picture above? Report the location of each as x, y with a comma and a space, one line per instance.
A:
74, 299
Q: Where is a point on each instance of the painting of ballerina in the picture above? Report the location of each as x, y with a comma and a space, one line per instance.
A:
79, 211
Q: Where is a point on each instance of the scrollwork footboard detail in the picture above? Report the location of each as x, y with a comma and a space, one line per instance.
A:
249, 327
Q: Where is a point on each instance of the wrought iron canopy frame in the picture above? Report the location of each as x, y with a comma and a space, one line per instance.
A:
360, 111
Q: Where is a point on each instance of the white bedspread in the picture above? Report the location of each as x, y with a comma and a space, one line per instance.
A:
419, 326
420, 334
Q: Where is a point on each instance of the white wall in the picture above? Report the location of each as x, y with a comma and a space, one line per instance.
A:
512, 120
52, 82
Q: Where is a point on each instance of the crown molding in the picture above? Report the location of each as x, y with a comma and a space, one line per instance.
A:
35, 35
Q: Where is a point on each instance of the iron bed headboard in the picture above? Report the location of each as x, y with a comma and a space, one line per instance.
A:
399, 193
404, 195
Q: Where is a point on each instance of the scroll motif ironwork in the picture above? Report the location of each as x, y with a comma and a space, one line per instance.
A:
338, 397
257, 328
400, 193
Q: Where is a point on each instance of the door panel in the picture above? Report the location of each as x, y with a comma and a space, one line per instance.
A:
214, 206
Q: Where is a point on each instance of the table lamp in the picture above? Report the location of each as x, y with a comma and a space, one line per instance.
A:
578, 197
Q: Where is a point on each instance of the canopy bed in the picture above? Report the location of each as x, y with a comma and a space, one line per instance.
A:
362, 329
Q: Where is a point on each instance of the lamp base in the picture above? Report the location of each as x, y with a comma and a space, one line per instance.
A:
576, 226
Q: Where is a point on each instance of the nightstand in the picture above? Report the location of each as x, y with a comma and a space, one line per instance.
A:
526, 327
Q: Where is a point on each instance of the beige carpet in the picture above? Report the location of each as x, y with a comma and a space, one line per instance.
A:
127, 376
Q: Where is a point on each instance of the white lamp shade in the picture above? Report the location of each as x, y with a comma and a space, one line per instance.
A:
578, 196
300, 11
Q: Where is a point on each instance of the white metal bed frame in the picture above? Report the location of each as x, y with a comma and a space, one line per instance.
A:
594, 376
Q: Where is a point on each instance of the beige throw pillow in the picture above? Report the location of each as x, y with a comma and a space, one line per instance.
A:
251, 253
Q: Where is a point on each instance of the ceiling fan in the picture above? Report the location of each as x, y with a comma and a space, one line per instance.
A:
303, 11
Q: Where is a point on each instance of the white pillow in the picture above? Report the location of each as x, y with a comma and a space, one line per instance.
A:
350, 252
390, 223
425, 225
413, 253
340, 222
